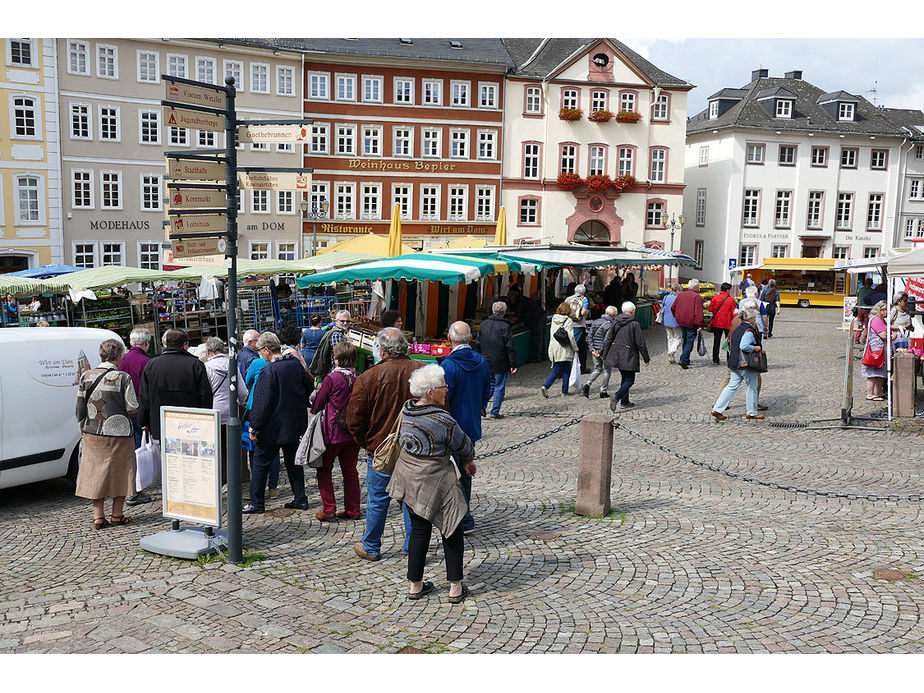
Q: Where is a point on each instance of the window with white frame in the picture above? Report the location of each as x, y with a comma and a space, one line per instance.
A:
109, 124
878, 159
402, 142
78, 61
149, 66
149, 255
260, 146
784, 108
285, 80
870, 252
19, 52
704, 156
235, 69
110, 189
655, 216
658, 168
660, 108
176, 65
840, 252
815, 205
844, 210
533, 100
596, 160
372, 140
259, 250
919, 152
914, 188
487, 95
627, 101
849, 157
487, 144
81, 189
626, 161
259, 202
778, 250
713, 110
25, 117
484, 203
909, 228
569, 98
107, 61
343, 201
460, 93
598, 100
371, 201
429, 202
151, 187
819, 156
431, 144
874, 212
699, 248
80, 121
241, 197
112, 254
531, 161
458, 202
529, 211
319, 86
345, 87
85, 255
149, 127
701, 206
318, 197
748, 256
432, 92
404, 90
346, 140
259, 78
179, 137
372, 88
845, 111
285, 147
285, 201
787, 155
285, 251
319, 133
755, 153
401, 196
782, 217
207, 138
568, 159
458, 144
751, 207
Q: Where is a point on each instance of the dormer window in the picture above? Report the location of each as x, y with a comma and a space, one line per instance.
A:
845, 111
783, 108
713, 109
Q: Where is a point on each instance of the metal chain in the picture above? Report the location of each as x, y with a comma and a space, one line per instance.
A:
523, 444
917, 497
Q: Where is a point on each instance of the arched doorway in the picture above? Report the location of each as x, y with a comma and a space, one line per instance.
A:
592, 233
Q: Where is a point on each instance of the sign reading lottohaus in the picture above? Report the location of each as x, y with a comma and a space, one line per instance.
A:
199, 223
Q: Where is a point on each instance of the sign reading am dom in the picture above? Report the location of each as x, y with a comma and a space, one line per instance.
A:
407, 228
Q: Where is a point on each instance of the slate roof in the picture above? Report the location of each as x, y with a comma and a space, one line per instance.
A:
836, 96
808, 115
779, 92
903, 117
730, 94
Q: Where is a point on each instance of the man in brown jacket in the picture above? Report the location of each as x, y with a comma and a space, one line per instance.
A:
377, 399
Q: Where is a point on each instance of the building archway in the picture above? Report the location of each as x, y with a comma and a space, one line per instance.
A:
592, 232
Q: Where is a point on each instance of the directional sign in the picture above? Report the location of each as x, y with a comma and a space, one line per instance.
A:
271, 180
196, 198
215, 261
273, 133
195, 247
182, 118
199, 223
198, 95
196, 169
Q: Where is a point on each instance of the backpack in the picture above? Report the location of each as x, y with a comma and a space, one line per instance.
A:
321, 363
576, 303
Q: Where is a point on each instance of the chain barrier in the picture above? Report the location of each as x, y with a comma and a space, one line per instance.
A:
917, 497
523, 444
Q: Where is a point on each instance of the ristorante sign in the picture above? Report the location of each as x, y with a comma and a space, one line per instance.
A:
406, 228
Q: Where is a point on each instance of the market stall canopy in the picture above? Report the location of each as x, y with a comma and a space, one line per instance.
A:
798, 263
369, 244
267, 267
19, 286
45, 271
419, 267
910, 264
875, 264
581, 256
103, 277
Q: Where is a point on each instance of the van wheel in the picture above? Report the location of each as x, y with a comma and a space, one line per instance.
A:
74, 464
804, 303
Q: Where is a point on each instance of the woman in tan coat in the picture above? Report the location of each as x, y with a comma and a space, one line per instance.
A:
105, 398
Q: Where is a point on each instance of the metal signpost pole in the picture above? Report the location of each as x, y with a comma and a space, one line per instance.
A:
235, 517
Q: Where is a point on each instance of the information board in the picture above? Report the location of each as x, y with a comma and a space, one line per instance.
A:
190, 458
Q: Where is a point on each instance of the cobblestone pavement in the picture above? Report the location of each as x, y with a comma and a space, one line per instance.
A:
691, 560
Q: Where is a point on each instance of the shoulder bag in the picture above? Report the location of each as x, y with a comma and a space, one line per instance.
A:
386, 454
561, 336
754, 360
874, 359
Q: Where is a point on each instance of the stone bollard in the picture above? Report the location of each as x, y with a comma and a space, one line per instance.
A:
903, 385
595, 466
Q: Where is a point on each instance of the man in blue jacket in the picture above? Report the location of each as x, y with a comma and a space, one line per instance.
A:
469, 379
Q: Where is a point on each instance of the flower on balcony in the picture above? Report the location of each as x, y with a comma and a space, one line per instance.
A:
628, 116
569, 181
600, 115
598, 183
570, 113
622, 183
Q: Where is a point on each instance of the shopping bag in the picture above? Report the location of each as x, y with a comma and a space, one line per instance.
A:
574, 381
312, 446
147, 463
700, 344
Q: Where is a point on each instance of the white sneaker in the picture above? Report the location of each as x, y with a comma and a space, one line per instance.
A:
545, 393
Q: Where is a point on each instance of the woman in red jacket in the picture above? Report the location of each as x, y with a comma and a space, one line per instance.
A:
721, 306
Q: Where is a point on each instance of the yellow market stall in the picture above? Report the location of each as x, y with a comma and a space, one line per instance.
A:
804, 281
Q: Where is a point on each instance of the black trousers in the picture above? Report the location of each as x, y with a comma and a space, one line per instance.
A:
263, 456
421, 531
717, 334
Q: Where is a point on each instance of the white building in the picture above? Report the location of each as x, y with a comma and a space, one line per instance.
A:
591, 75
910, 193
779, 168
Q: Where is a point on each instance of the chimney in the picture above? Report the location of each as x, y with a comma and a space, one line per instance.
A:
794, 74
757, 74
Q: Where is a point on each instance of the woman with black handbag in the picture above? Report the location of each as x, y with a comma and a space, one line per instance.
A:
745, 361
561, 349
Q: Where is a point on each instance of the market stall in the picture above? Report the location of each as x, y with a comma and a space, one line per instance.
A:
801, 282
906, 273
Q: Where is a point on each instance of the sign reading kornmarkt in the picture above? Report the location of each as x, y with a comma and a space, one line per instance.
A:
194, 94
197, 247
196, 198
273, 134
273, 180
196, 169
182, 118
199, 223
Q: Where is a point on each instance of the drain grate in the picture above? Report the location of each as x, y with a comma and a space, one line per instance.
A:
783, 424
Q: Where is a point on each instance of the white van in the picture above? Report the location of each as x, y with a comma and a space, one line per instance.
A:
39, 370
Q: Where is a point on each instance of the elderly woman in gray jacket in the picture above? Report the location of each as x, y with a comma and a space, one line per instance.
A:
426, 478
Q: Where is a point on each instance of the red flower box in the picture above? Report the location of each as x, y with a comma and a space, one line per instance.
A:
598, 183
628, 117
600, 116
569, 181
570, 113
622, 183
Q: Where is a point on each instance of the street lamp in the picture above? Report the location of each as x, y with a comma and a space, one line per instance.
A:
675, 224
317, 209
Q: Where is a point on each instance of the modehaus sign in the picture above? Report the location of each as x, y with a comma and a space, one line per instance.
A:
197, 120
273, 134
272, 180
196, 169
199, 223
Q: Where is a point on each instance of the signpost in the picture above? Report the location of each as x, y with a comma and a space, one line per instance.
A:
268, 179
274, 133
195, 93
195, 119
195, 247
196, 169
213, 222
196, 198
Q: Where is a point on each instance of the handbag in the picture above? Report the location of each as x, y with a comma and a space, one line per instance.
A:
147, 462
386, 454
754, 360
659, 317
561, 336
311, 446
874, 359
700, 344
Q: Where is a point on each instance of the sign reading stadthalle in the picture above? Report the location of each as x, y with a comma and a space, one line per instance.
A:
272, 180
199, 223
196, 169
196, 198
273, 134
196, 247
182, 118
195, 94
